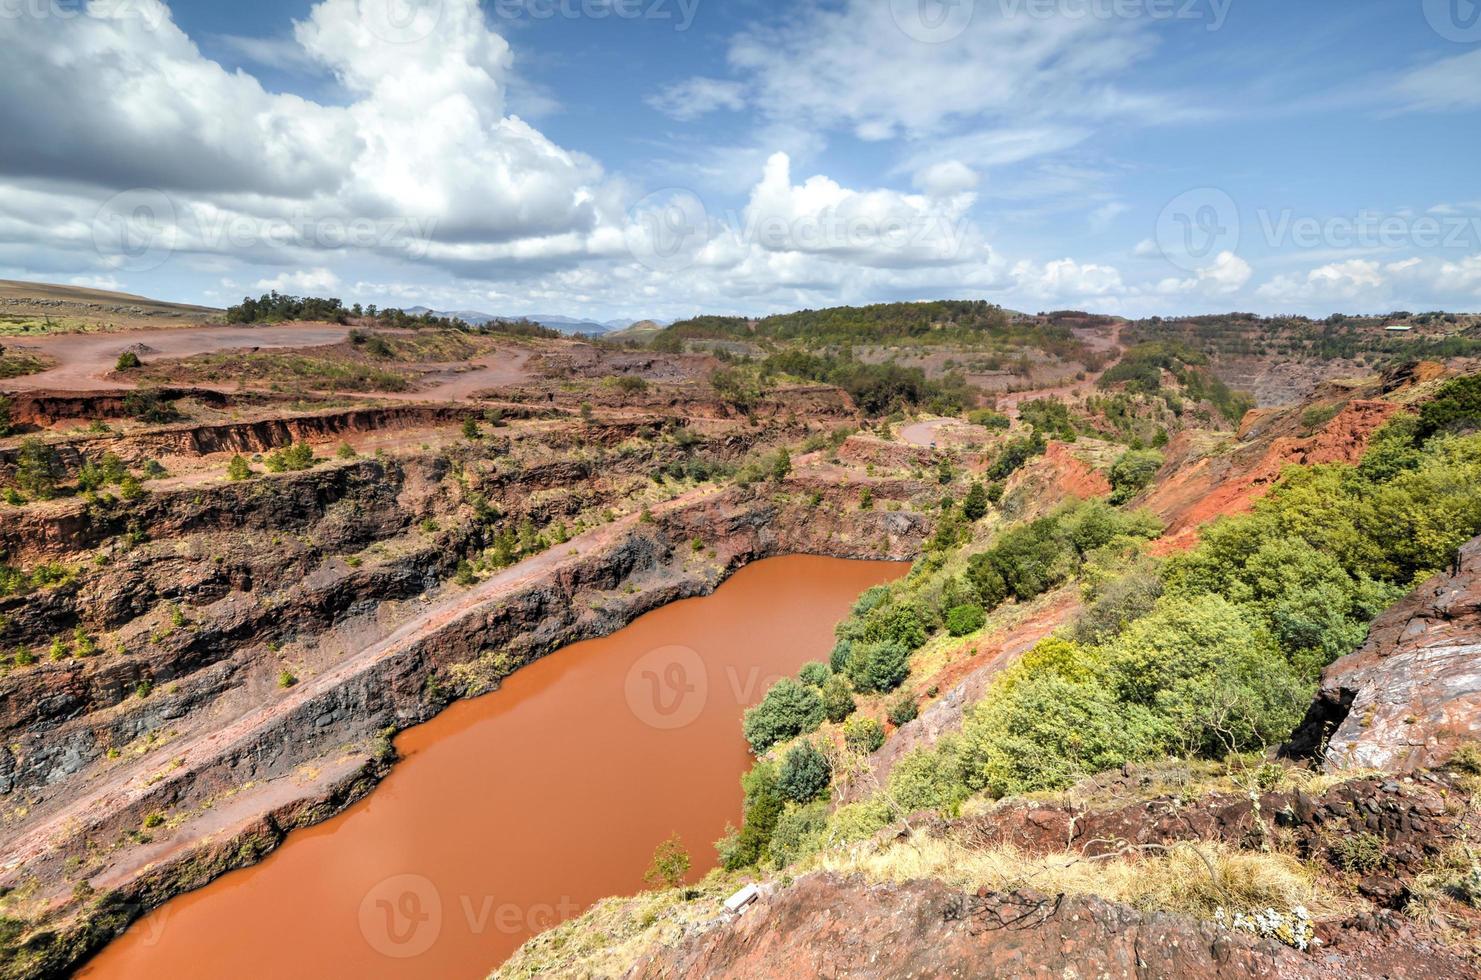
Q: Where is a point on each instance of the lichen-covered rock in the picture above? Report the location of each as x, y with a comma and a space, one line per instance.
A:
1411, 695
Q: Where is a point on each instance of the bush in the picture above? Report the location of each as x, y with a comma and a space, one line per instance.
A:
805, 773
670, 864
286, 679
904, 710
1132, 472
838, 659
238, 469
974, 507
814, 674
789, 709
838, 700
863, 735
299, 456
37, 468
763, 808
1456, 408
128, 361
966, 618
878, 667
5, 420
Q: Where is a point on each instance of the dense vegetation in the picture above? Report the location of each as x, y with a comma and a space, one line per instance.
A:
1141, 368
275, 307
1209, 652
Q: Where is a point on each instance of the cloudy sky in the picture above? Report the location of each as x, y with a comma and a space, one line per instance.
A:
631, 158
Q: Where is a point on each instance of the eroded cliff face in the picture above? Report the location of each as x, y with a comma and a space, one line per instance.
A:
1411, 695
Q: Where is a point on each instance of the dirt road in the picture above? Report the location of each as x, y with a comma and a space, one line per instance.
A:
85, 360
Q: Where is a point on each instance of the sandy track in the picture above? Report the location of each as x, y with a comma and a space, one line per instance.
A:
85, 360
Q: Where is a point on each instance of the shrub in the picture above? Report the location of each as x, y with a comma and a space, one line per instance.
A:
781, 465
148, 405
805, 773
974, 507
838, 700
670, 864
129, 487
878, 667
299, 456
128, 361
863, 735
966, 618
838, 659
904, 710
763, 808
471, 429
346, 451
1455, 408
1132, 472
5, 421
37, 468
1360, 853
814, 674
789, 709
286, 679
238, 469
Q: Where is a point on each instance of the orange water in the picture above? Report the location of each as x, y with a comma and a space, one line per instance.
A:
514, 811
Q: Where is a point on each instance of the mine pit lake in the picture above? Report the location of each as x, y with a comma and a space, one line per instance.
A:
511, 812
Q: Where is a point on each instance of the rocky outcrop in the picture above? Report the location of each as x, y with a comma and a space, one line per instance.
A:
1198, 484
828, 926
1411, 695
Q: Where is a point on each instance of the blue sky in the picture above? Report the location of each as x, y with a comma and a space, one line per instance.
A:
630, 158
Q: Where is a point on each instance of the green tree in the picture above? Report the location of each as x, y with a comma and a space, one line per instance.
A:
805, 773
838, 700
128, 361
5, 418
789, 709
878, 667
238, 469
966, 618
814, 674
1132, 472
670, 864
974, 507
37, 468
863, 735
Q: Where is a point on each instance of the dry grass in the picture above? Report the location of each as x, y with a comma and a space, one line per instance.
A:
609, 937
1187, 879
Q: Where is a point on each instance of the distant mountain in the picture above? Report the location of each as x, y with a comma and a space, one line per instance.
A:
555, 321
